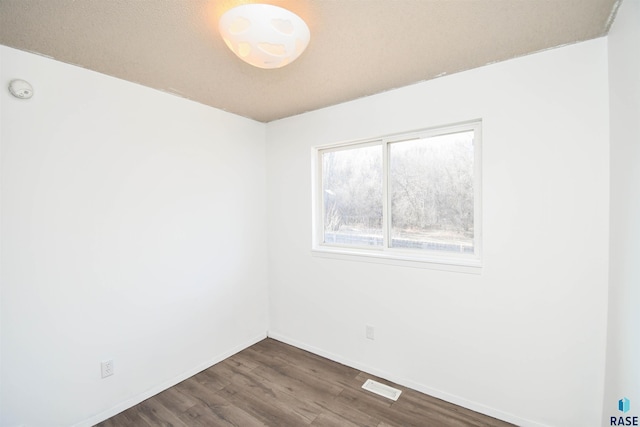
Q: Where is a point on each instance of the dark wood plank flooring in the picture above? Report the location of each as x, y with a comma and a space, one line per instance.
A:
274, 384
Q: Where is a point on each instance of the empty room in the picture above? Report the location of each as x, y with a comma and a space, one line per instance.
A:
319, 213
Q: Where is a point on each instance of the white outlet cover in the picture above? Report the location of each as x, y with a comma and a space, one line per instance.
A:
106, 368
371, 332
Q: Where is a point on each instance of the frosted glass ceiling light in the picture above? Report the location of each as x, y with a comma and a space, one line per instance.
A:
263, 35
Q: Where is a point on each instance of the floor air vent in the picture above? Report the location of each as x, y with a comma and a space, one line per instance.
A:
381, 389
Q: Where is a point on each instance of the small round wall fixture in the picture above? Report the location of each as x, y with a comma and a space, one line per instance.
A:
264, 35
21, 89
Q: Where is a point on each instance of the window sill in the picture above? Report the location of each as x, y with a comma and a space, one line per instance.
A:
458, 265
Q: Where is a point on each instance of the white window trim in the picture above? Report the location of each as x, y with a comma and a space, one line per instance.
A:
396, 256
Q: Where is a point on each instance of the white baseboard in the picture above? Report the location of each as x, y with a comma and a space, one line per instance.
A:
167, 384
474, 406
465, 403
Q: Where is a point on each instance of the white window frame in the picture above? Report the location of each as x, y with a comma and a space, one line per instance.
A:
385, 254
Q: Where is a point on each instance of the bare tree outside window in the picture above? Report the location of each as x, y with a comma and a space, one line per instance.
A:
431, 188
414, 196
352, 196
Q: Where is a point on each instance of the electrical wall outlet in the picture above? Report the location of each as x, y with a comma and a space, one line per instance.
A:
370, 332
107, 368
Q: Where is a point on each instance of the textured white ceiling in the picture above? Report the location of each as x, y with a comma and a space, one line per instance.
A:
357, 48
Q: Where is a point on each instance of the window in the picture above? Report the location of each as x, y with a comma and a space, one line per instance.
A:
413, 197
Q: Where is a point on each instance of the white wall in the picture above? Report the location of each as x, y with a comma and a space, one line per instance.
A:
524, 340
623, 351
1, 410
133, 229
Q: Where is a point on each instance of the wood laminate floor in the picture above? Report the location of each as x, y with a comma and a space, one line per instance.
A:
274, 384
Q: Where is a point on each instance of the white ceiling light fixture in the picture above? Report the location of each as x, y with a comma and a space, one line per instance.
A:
264, 35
